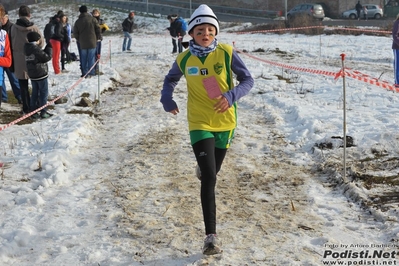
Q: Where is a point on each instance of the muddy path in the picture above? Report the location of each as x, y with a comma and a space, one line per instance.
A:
270, 209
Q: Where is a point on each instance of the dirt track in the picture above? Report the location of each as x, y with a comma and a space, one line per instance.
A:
262, 201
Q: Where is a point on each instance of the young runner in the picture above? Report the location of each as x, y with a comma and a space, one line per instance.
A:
208, 67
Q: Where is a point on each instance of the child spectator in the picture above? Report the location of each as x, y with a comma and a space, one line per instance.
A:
36, 64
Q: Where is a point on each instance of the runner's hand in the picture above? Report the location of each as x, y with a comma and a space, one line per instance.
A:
222, 105
175, 111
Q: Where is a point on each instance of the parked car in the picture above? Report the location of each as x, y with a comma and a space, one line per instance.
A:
312, 10
373, 11
391, 9
327, 10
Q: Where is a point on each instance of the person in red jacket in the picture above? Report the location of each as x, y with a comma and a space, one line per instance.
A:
5, 52
6, 25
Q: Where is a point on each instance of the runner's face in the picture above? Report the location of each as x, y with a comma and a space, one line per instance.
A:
204, 34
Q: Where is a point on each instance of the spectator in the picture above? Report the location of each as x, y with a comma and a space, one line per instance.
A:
395, 48
127, 27
365, 12
66, 32
5, 52
18, 39
96, 14
87, 32
48, 30
103, 27
177, 32
358, 8
36, 64
6, 25
56, 39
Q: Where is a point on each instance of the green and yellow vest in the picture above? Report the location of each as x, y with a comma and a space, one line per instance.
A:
200, 112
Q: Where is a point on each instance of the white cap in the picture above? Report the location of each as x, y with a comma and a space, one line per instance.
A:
203, 14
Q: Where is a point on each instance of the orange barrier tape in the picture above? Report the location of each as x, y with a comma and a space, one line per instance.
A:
275, 30
302, 69
44, 106
374, 81
354, 74
364, 30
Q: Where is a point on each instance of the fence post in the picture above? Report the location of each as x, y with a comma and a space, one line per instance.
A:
344, 113
110, 54
99, 83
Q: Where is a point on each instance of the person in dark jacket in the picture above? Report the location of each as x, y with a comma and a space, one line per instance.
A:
6, 25
65, 57
56, 40
18, 34
177, 32
47, 32
87, 32
358, 8
127, 27
36, 65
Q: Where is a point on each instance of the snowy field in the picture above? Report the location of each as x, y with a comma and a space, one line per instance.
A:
114, 184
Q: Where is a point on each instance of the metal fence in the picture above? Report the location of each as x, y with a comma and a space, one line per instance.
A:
14, 4
224, 13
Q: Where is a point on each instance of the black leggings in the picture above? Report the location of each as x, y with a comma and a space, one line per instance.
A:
210, 161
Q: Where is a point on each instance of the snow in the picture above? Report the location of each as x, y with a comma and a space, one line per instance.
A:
114, 184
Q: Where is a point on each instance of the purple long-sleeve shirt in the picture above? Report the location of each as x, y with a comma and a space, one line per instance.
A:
238, 67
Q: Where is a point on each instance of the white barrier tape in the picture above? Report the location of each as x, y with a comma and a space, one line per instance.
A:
313, 27
48, 103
